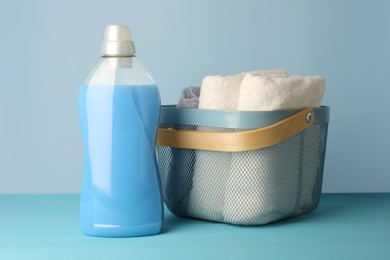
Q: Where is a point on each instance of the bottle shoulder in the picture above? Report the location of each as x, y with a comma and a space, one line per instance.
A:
119, 71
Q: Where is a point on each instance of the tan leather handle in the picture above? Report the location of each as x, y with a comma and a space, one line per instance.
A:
237, 141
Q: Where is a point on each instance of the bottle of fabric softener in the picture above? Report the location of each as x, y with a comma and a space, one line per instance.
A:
119, 108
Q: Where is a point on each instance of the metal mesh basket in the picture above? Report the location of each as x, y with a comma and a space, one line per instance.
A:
214, 178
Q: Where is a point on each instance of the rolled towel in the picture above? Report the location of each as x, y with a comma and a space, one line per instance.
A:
209, 179
212, 169
290, 93
267, 94
270, 187
221, 93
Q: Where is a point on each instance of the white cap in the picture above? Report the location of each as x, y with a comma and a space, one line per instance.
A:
117, 41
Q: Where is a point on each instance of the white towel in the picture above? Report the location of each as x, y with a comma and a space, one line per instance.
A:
291, 93
272, 180
221, 93
211, 170
267, 94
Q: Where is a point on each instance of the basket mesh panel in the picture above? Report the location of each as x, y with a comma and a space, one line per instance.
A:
244, 188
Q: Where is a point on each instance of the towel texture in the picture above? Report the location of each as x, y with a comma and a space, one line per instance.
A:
221, 93
266, 94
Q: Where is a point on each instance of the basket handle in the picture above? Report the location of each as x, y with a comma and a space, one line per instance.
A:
237, 141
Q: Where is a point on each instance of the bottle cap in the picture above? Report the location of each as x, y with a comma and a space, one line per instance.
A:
117, 42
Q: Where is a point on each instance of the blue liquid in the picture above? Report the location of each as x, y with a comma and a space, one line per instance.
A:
121, 191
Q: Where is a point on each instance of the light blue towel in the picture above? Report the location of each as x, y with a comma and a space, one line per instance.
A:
178, 186
189, 98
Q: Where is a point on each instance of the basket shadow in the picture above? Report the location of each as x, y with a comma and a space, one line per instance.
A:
335, 208
174, 223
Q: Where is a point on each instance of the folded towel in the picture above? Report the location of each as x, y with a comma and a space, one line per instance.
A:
221, 93
266, 94
189, 98
211, 170
290, 93
273, 182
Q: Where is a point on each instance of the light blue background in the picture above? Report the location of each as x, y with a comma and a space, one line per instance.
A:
47, 47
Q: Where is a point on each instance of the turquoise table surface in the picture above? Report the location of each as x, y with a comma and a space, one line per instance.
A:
345, 226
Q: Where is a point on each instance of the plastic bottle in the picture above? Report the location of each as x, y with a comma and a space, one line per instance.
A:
119, 108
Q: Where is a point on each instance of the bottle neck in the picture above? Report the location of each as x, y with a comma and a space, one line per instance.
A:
118, 49
119, 71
